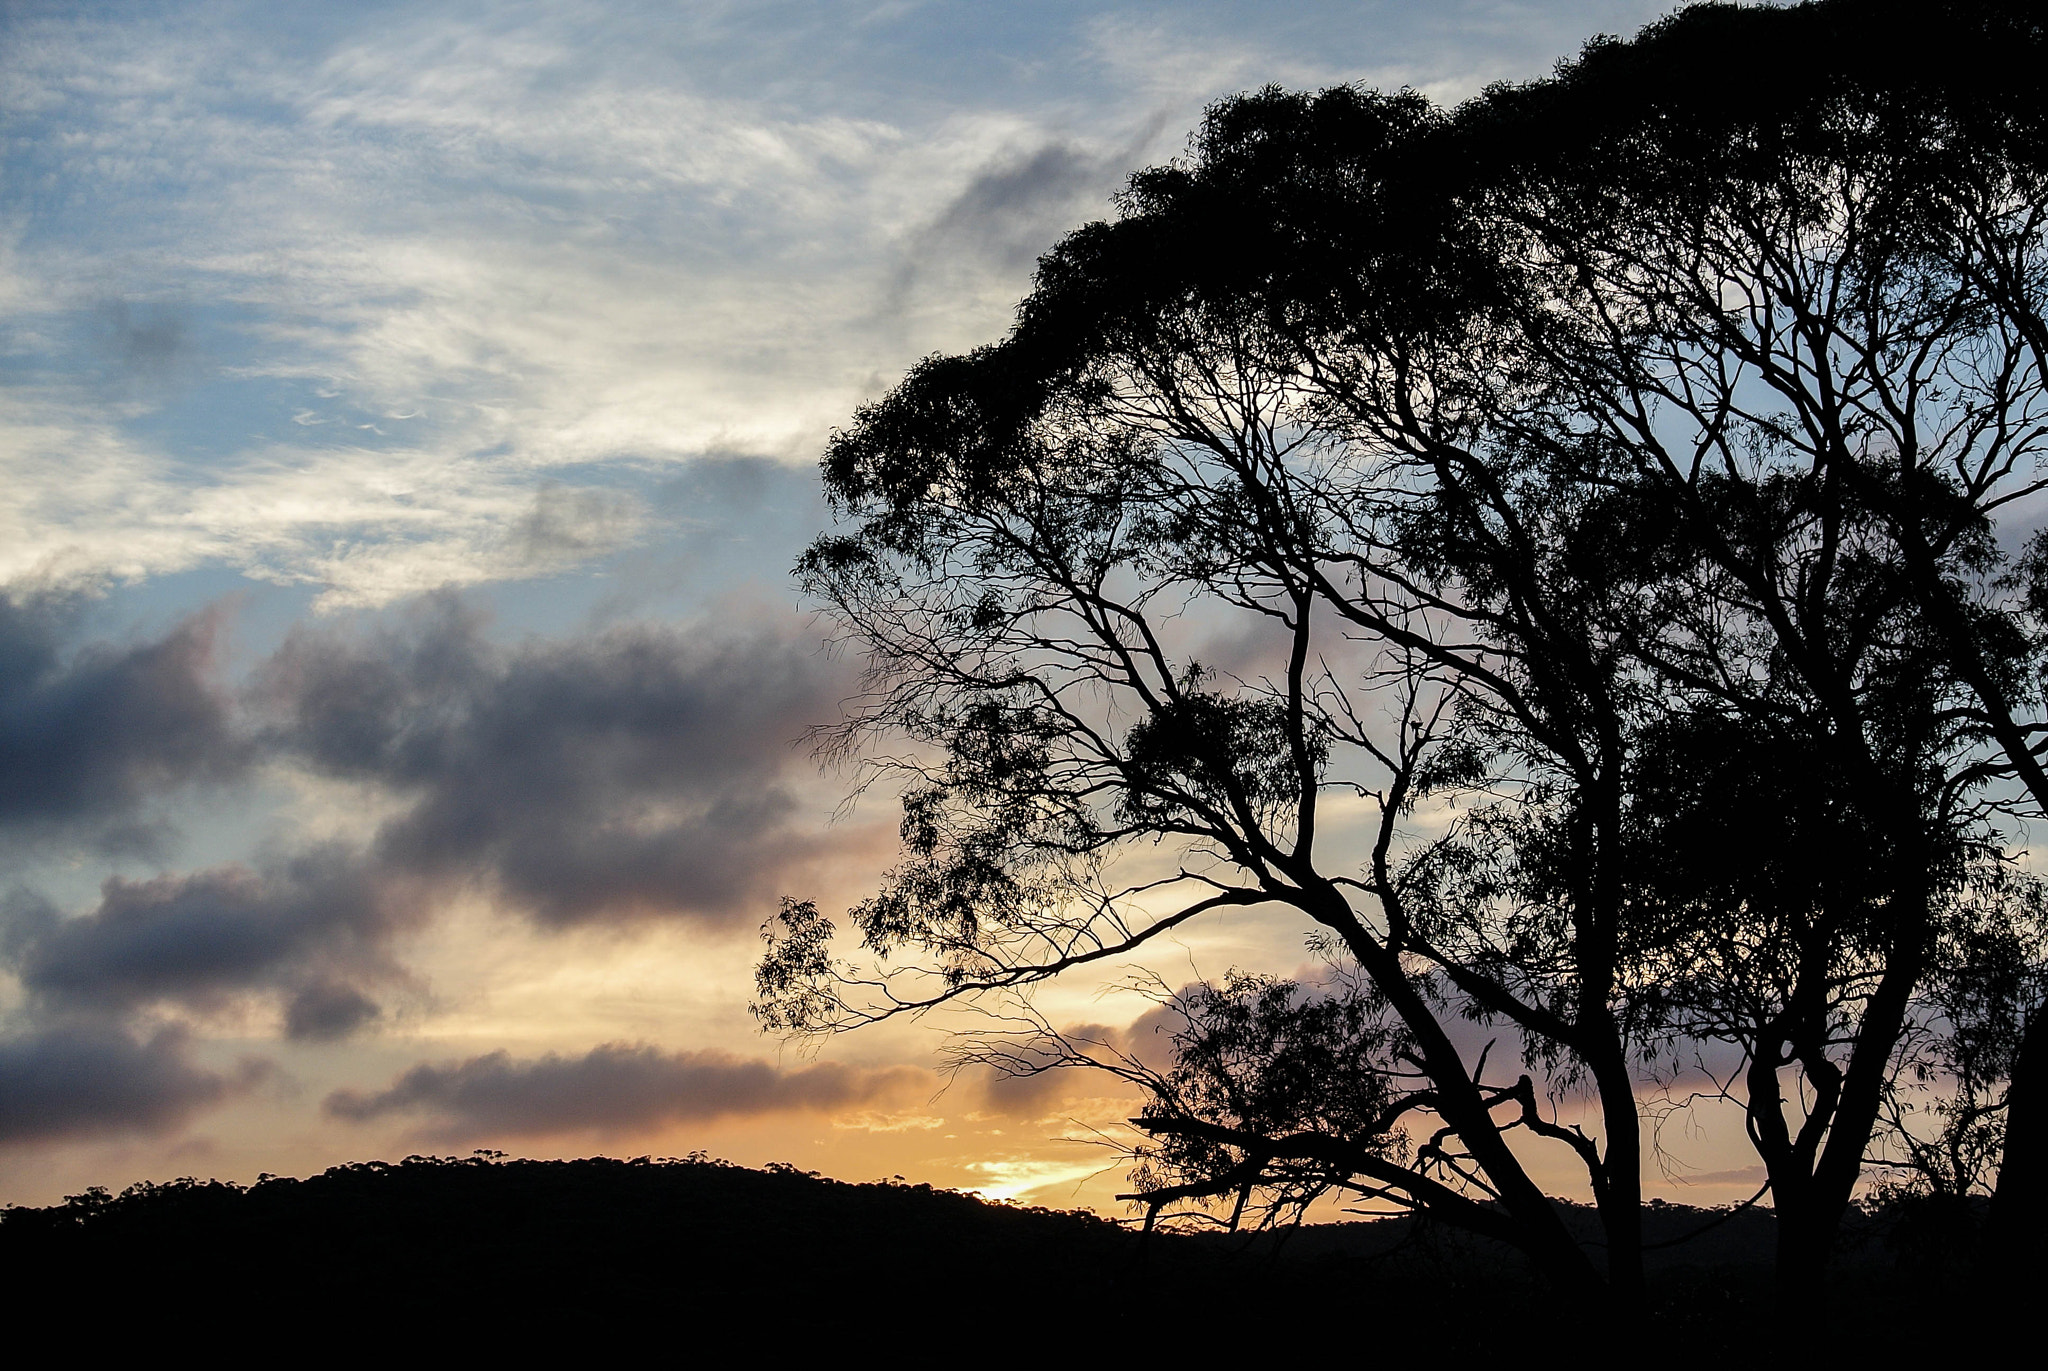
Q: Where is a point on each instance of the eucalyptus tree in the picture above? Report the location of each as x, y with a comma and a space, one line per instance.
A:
1792, 262
1598, 461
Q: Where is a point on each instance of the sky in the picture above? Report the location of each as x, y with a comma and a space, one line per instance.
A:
408, 420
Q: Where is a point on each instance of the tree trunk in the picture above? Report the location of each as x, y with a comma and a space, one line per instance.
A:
2013, 1228
1806, 1240
1799, 1259
1621, 1198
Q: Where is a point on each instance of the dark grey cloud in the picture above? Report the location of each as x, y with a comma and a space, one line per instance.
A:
625, 772
312, 929
73, 1082
326, 1010
1014, 208
567, 525
1017, 206
620, 773
616, 1088
86, 736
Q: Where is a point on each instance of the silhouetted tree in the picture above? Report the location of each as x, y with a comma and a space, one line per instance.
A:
1610, 464
1810, 310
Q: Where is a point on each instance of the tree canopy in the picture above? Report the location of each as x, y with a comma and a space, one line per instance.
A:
1608, 487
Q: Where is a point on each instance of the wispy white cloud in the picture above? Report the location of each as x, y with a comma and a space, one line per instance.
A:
624, 236
548, 256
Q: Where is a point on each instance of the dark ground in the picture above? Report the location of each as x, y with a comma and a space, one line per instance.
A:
601, 1251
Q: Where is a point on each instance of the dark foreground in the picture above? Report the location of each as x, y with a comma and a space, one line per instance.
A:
485, 1251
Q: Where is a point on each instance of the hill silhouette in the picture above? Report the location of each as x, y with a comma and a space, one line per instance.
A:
489, 1248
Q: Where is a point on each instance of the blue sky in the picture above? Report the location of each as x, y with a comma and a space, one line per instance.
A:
408, 416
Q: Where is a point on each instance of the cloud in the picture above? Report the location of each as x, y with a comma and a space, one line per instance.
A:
624, 772
615, 1088
1019, 1091
1019, 203
324, 1011
566, 526
610, 238
1001, 212
151, 343
85, 739
1741, 1175
552, 244
311, 929
76, 1082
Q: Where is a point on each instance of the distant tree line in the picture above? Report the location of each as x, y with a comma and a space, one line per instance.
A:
1567, 547
490, 1252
